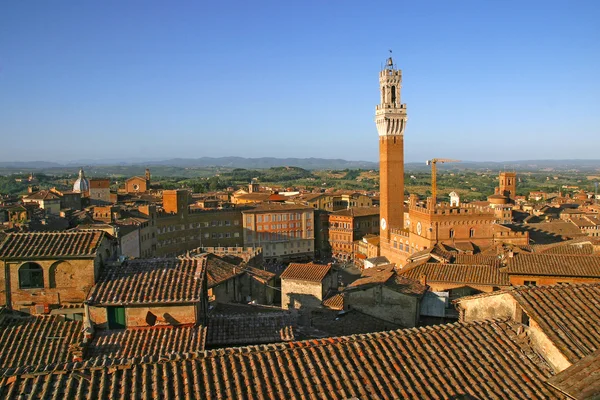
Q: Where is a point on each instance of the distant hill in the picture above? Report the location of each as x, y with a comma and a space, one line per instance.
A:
203, 162
305, 163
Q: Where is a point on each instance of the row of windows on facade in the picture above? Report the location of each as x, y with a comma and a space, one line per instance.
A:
348, 225
278, 217
207, 235
147, 236
291, 245
274, 253
282, 226
205, 224
277, 236
344, 238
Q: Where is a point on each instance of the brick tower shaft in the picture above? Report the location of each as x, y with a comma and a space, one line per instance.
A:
390, 118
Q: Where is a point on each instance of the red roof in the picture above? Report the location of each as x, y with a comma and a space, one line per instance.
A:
51, 244
306, 272
149, 281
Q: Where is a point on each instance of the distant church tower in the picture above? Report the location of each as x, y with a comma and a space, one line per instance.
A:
508, 184
390, 117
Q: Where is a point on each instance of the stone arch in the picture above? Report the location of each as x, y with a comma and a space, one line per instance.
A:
61, 275
31, 276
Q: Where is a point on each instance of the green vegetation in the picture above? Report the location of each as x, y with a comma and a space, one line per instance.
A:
470, 184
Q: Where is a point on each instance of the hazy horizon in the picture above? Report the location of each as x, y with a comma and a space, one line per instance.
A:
483, 81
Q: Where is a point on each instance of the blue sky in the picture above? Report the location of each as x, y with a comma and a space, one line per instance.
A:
483, 80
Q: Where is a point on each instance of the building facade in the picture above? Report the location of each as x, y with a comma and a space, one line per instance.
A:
284, 231
348, 226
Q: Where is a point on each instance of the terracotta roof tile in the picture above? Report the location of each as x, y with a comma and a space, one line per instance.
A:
389, 278
568, 314
248, 329
43, 195
334, 302
36, 341
357, 212
580, 381
553, 265
479, 360
458, 273
477, 259
51, 244
147, 281
306, 272
219, 270
141, 342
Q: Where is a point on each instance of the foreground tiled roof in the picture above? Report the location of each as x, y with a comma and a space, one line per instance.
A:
580, 381
457, 273
250, 328
568, 314
147, 281
479, 360
306, 272
554, 265
51, 244
150, 341
36, 341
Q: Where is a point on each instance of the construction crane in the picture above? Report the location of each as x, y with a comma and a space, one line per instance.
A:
433, 162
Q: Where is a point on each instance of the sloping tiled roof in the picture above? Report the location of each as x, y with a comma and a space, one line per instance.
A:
334, 301
458, 273
392, 280
554, 265
142, 342
477, 259
567, 247
36, 341
250, 328
260, 274
43, 195
147, 281
568, 314
580, 381
306, 272
475, 360
51, 244
219, 270
357, 212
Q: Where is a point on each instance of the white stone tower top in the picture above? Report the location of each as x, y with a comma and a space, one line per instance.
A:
390, 114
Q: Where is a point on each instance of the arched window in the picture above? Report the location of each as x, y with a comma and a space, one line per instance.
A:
393, 94
61, 275
472, 232
451, 233
31, 276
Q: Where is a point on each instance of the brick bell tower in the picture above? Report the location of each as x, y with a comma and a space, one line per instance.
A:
390, 118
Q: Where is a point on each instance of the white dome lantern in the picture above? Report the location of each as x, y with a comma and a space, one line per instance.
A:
82, 184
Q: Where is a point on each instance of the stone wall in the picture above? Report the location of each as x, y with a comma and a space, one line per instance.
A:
488, 307
388, 305
300, 294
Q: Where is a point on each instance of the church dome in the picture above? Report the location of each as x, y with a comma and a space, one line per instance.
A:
498, 199
82, 184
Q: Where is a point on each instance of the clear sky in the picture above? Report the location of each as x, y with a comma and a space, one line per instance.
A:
483, 80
